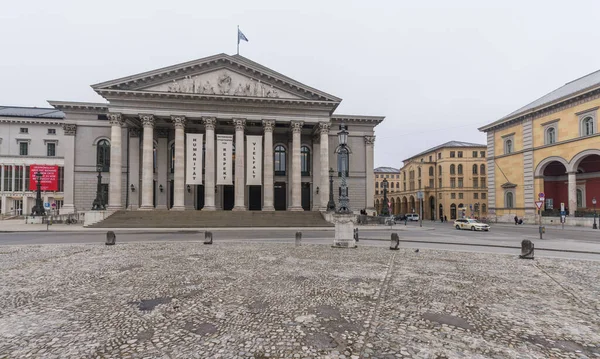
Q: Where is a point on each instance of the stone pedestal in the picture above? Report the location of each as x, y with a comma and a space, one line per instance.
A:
344, 230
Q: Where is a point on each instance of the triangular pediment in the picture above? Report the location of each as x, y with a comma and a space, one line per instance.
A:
219, 75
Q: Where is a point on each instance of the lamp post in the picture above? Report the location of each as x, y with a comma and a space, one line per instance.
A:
330, 203
343, 156
384, 209
594, 203
98, 203
38, 209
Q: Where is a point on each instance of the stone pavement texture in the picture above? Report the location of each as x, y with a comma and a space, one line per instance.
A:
253, 300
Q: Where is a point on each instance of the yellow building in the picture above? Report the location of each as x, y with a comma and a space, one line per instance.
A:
391, 175
549, 146
451, 177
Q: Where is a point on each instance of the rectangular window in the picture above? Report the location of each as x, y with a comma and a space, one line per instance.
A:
482, 154
475, 195
18, 178
483, 182
475, 183
404, 186
23, 130
61, 179
431, 182
23, 148
483, 195
376, 176
429, 158
439, 155
439, 195
460, 182
452, 195
452, 182
52, 131
460, 196
459, 154
452, 154
376, 192
27, 178
8, 178
439, 183
51, 149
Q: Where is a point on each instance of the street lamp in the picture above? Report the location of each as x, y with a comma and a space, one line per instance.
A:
38, 209
330, 203
98, 203
343, 156
384, 209
594, 203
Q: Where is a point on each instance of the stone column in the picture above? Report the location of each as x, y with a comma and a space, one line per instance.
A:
116, 175
179, 175
163, 168
209, 164
324, 152
268, 190
572, 193
369, 159
147, 162
296, 127
69, 130
240, 186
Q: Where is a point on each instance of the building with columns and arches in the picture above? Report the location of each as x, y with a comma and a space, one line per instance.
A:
218, 133
550, 146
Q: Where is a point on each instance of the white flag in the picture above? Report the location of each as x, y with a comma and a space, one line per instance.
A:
224, 159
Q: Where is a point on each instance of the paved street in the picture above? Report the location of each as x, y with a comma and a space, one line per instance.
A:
273, 300
569, 241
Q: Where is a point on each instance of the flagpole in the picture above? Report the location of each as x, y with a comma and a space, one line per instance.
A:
238, 40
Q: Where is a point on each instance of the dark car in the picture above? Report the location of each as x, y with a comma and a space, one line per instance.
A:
400, 217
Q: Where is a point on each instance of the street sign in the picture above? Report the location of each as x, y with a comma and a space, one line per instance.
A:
53, 205
539, 204
420, 195
562, 206
541, 195
46, 204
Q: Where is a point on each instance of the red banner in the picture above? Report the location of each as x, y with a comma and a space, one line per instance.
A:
49, 177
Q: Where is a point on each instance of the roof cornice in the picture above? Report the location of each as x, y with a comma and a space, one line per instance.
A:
357, 118
79, 106
32, 120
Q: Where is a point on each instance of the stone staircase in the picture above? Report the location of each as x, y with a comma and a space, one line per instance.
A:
216, 219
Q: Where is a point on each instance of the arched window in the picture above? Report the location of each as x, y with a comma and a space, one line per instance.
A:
508, 146
280, 159
305, 160
509, 200
431, 170
419, 171
172, 153
103, 155
460, 170
474, 169
550, 135
482, 170
439, 170
452, 169
587, 126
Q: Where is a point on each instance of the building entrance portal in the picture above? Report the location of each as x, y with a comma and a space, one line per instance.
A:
306, 196
254, 198
228, 196
199, 197
280, 196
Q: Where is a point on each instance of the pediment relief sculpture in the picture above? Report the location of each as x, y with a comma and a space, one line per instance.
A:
222, 83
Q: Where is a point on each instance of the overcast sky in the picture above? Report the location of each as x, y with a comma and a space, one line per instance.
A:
436, 69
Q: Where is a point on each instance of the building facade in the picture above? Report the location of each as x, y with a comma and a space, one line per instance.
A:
391, 175
218, 133
451, 177
550, 146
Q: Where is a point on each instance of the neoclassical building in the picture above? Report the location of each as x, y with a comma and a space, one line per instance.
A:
218, 133
550, 146
451, 177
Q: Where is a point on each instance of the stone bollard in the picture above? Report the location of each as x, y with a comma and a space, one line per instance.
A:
298, 238
208, 238
111, 238
526, 249
356, 234
395, 242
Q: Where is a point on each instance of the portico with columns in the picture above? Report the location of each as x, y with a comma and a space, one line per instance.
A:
226, 99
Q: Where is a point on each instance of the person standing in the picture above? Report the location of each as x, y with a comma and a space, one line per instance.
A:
516, 220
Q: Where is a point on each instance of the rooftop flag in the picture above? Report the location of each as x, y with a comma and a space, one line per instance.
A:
240, 37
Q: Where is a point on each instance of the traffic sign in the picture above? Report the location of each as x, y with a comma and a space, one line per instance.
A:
539, 204
46, 204
420, 195
541, 195
53, 204
562, 206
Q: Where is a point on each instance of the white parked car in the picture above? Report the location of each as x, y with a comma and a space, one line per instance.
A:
412, 217
472, 224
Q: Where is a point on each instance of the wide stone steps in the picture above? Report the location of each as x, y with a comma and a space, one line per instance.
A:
216, 219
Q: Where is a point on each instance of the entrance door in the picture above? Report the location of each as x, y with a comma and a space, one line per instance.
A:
452, 211
280, 196
199, 197
228, 196
254, 198
432, 208
154, 194
306, 196
171, 193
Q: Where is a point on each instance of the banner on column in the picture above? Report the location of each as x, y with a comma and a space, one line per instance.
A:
253, 160
193, 170
224, 159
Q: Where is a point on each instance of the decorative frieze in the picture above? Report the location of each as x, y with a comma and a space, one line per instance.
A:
147, 120
115, 119
209, 123
178, 121
70, 129
268, 125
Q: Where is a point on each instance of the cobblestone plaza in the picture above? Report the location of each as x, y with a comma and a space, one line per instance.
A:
257, 300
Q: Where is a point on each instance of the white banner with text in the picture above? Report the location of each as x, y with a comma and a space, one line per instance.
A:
253, 160
224, 159
193, 158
